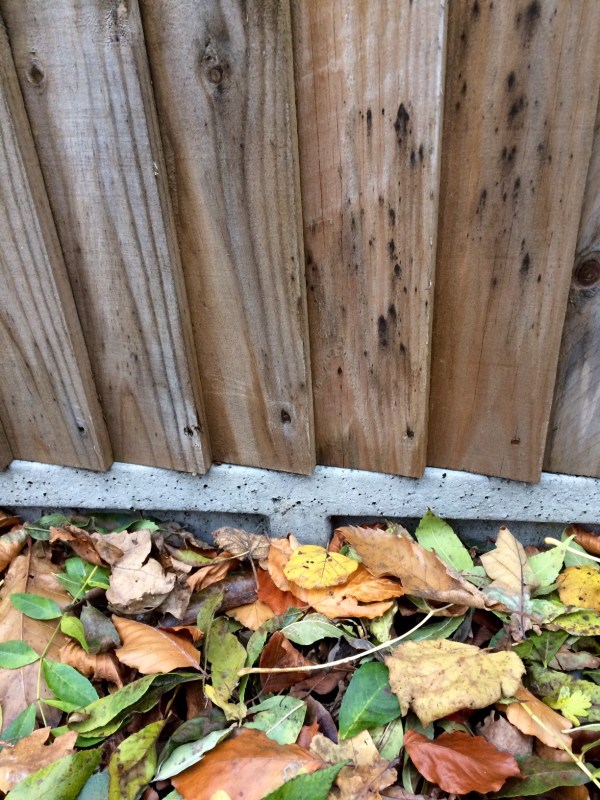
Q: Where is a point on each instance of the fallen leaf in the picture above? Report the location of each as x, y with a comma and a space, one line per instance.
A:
312, 567
227, 656
252, 615
459, 763
8, 521
307, 734
278, 653
242, 544
133, 763
268, 592
19, 687
85, 546
539, 776
31, 754
586, 539
550, 726
123, 541
367, 774
152, 650
211, 573
422, 573
580, 587
568, 661
574, 703
11, 544
138, 583
436, 678
501, 733
246, 766
507, 564
177, 601
103, 667
279, 554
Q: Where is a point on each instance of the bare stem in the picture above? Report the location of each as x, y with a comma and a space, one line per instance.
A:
582, 553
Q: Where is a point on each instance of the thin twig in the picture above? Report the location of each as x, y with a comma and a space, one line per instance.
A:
347, 660
584, 553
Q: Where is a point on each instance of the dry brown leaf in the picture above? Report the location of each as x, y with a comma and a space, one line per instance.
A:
177, 601
368, 773
138, 583
8, 521
247, 766
269, 593
103, 667
252, 615
438, 677
211, 573
123, 541
497, 730
152, 650
422, 573
589, 540
507, 565
11, 544
280, 652
86, 547
194, 633
29, 572
243, 544
570, 793
307, 734
550, 733
31, 754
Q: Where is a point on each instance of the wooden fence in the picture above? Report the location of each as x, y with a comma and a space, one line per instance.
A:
362, 233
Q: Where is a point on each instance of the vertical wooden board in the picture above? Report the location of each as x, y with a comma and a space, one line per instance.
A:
48, 403
521, 91
369, 81
573, 444
85, 79
222, 74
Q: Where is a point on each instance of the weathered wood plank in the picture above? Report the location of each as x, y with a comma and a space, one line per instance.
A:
222, 73
369, 81
84, 75
521, 92
573, 444
48, 403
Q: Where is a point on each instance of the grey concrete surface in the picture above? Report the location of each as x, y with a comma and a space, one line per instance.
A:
278, 502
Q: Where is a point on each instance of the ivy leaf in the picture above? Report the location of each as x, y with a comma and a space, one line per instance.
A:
436, 535
368, 701
35, 606
572, 703
315, 786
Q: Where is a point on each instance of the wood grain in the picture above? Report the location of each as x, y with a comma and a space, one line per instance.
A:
85, 79
573, 444
369, 81
48, 403
521, 94
222, 73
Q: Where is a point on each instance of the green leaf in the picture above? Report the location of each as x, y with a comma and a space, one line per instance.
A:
174, 795
436, 535
389, 739
40, 529
315, 786
207, 613
573, 559
15, 654
381, 627
572, 703
190, 753
226, 656
192, 730
35, 606
101, 635
542, 647
64, 705
579, 623
540, 776
547, 564
68, 684
96, 788
133, 763
82, 576
61, 780
143, 525
368, 701
437, 630
311, 629
106, 715
73, 627
281, 718
21, 726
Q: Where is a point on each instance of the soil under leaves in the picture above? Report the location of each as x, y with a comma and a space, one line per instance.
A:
138, 661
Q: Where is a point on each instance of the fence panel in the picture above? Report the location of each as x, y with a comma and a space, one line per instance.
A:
84, 76
521, 94
369, 81
222, 73
48, 402
573, 444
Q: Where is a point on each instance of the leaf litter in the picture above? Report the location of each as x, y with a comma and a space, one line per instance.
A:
139, 662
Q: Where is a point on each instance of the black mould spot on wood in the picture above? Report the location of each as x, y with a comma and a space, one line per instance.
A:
482, 201
475, 9
401, 123
421, 153
528, 20
392, 249
510, 80
392, 217
369, 122
397, 270
525, 264
382, 332
410, 433
515, 109
392, 312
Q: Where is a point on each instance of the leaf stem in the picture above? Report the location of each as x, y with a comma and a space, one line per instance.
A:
583, 553
340, 661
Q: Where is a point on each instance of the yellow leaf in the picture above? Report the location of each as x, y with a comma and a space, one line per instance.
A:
436, 678
580, 586
313, 567
252, 615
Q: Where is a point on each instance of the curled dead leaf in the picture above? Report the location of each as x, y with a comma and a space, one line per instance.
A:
243, 544
86, 546
102, 667
31, 754
11, 544
152, 650
211, 573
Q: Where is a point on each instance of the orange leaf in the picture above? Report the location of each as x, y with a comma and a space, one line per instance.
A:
246, 766
460, 763
550, 732
100, 667
279, 554
11, 544
252, 615
7, 521
586, 539
151, 650
347, 600
269, 593
31, 754
211, 573
280, 652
